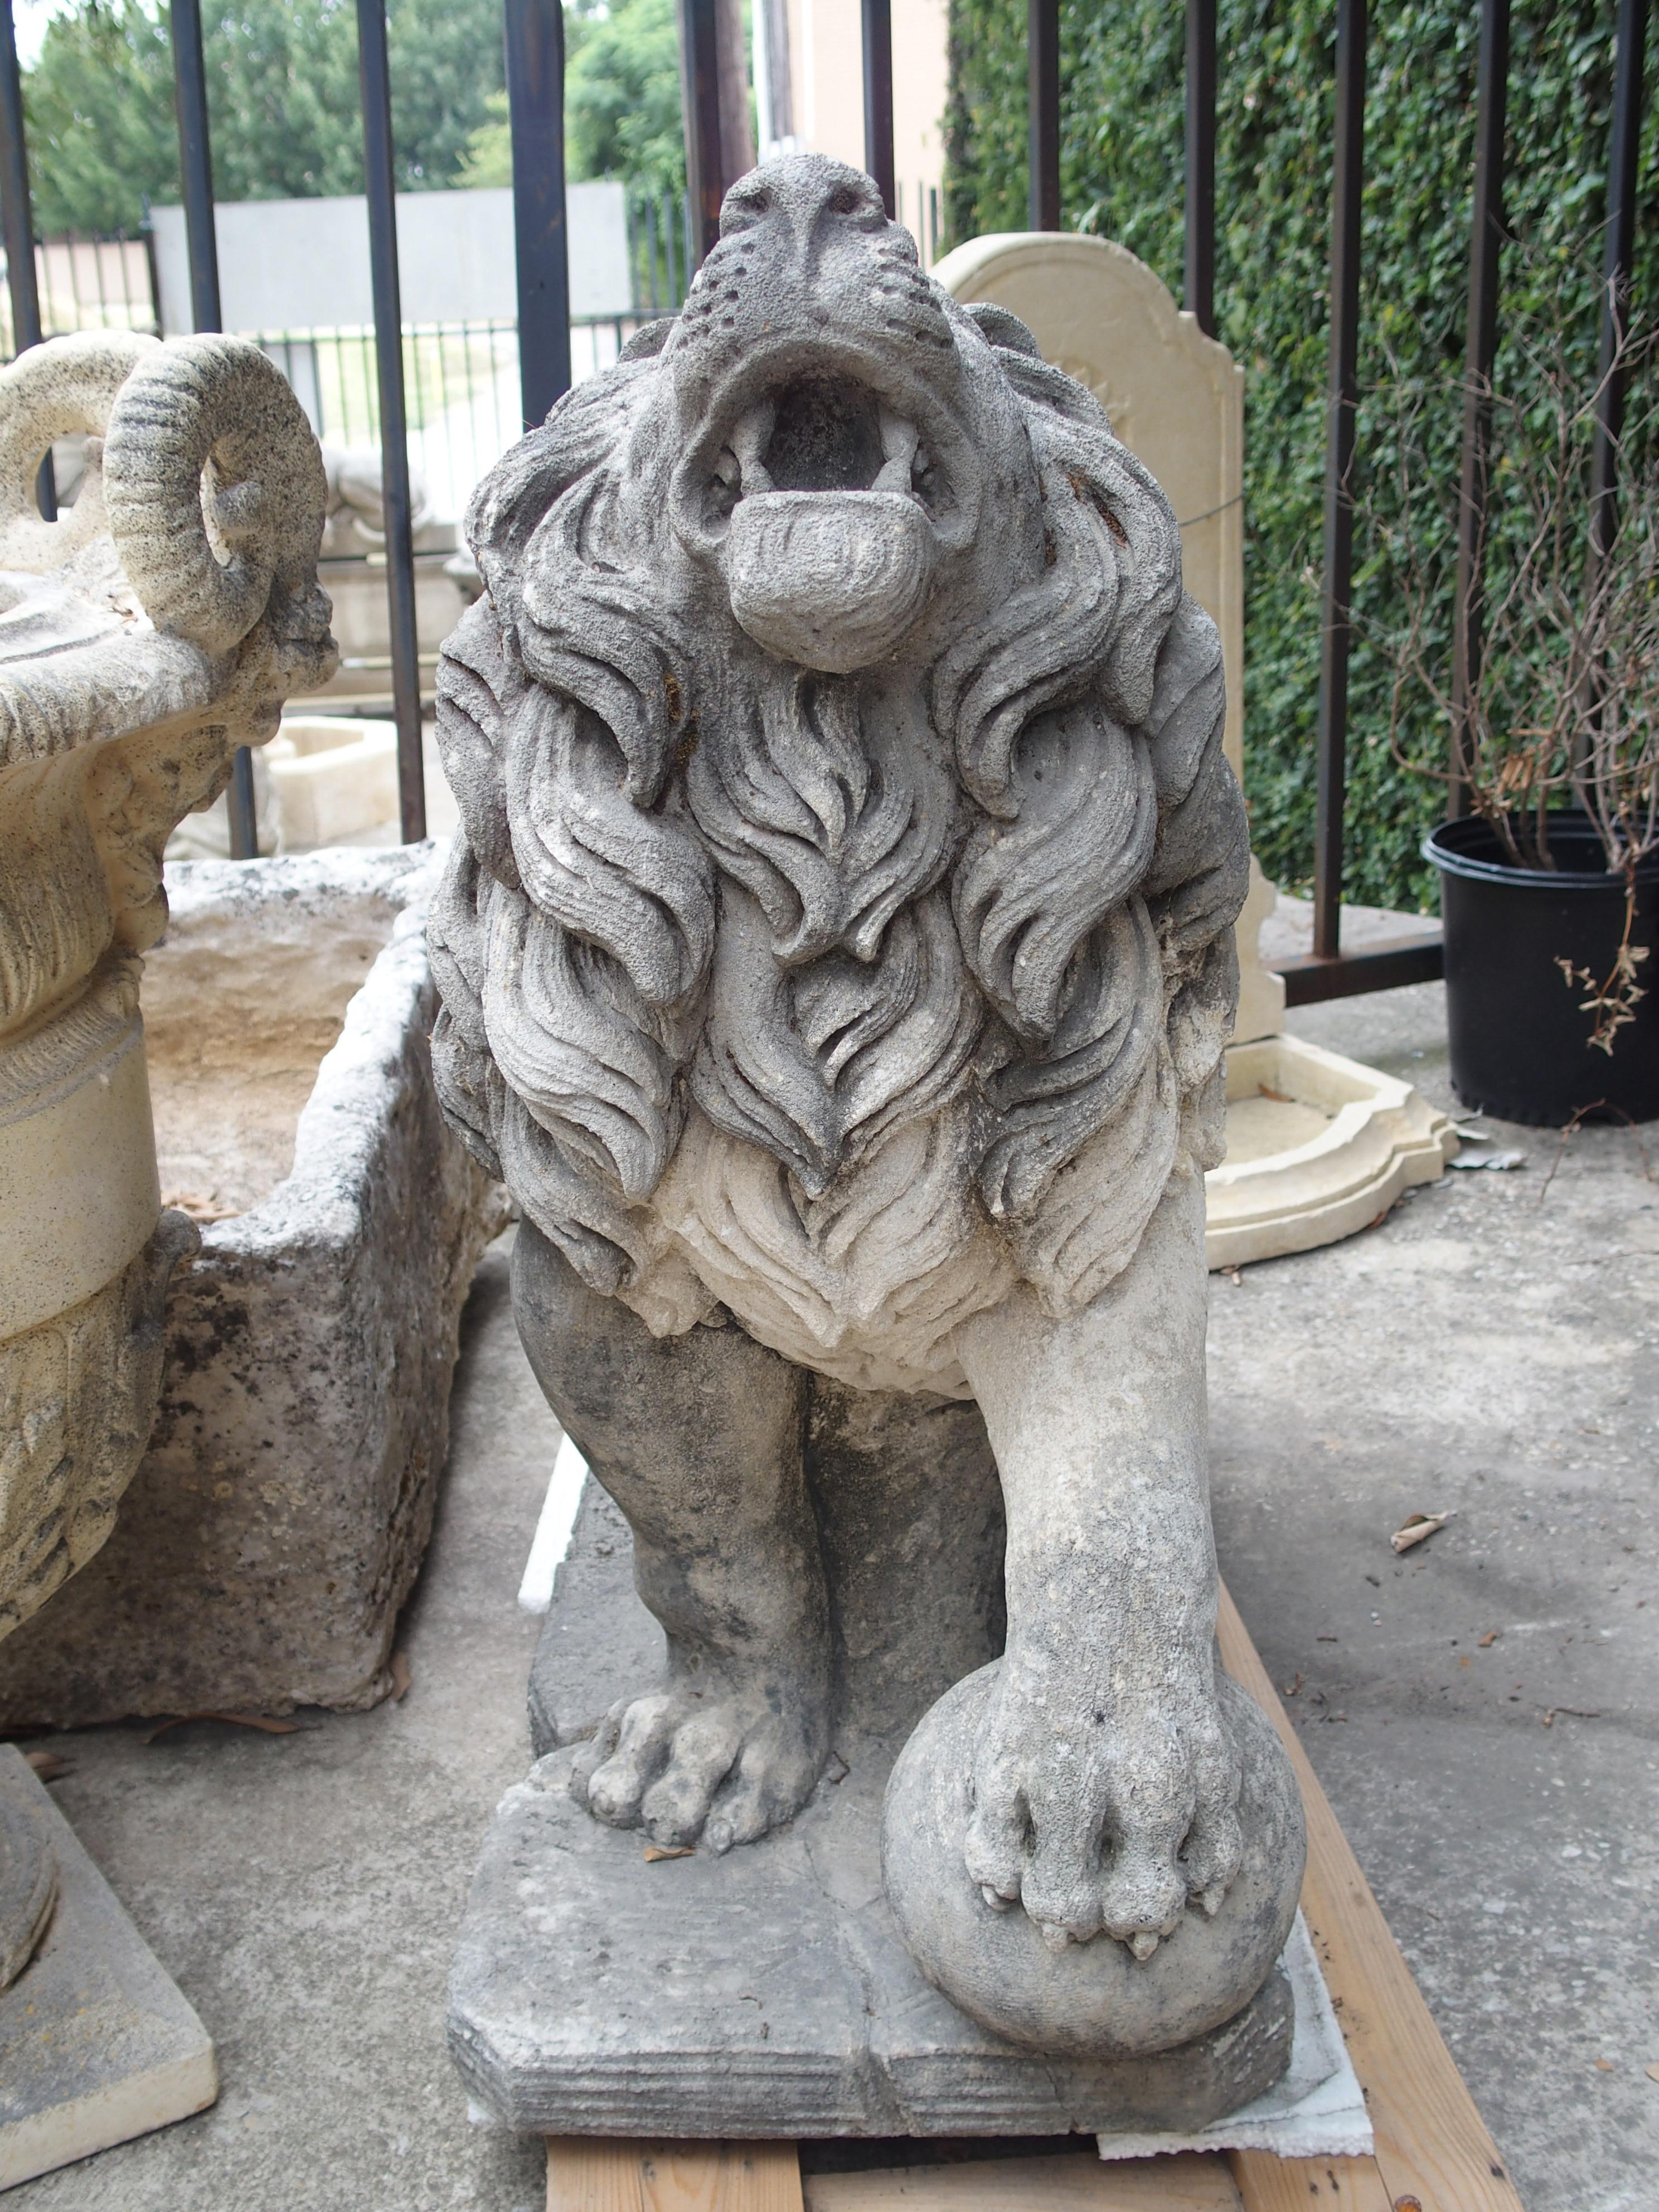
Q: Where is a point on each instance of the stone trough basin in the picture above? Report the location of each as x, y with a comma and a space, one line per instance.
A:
280, 1515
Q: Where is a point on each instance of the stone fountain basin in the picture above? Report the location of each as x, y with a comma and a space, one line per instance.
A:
279, 1517
1317, 1148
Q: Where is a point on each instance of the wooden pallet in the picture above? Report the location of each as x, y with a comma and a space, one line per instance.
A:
1433, 2153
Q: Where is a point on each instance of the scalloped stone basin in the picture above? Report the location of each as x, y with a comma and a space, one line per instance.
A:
280, 1515
1317, 1147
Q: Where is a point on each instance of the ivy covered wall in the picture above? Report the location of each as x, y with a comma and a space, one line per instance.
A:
1121, 77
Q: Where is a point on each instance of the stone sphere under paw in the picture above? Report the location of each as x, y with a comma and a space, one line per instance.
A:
1094, 2000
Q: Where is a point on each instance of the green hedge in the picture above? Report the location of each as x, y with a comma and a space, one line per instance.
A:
1121, 73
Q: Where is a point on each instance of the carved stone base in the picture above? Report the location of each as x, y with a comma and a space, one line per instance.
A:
765, 1993
96, 2044
28, 1881
77, 1396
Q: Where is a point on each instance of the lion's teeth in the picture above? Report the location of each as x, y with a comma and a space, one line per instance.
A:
898, 446
750, 440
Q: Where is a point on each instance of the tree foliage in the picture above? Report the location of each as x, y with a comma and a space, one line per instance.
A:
1122, 74
622, 101
283, 102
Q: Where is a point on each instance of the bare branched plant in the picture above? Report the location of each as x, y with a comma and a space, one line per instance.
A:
1562, 703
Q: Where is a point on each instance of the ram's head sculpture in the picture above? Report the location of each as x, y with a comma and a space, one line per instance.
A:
838, 952
154, 627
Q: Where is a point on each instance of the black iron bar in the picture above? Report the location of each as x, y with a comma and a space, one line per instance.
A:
1201, 163
1342, 396
700, 96
1623, 146
1043, 95
17, 222
153, 277
878, 17
535, 100
1309, 978
1485, 243
196, 164
375, 78
206, 312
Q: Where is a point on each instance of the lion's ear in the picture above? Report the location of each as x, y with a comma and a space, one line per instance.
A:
648, 342
1001, 328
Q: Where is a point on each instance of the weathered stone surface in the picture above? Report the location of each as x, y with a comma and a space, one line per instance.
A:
145, 633
96, 2044
765, 1992
280, 1514
837, 963
155, 625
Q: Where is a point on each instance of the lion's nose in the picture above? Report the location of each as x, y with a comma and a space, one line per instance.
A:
804, 192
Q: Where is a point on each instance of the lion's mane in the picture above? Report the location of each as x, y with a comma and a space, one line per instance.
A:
1006, 892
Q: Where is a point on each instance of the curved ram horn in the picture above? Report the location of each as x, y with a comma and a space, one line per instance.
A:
215, 489
52, 390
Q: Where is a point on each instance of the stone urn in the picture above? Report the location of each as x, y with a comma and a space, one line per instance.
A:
155, 627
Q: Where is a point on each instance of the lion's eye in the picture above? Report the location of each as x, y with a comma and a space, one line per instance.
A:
845, 202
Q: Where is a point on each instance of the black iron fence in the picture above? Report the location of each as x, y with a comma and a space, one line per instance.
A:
87, 283
1327, 971
425, 375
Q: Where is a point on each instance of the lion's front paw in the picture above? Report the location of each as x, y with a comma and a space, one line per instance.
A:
1103, 1809
699, 1762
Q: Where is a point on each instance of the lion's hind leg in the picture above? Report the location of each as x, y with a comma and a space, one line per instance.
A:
699, 1440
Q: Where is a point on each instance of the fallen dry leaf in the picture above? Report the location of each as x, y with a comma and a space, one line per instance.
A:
1464, 1660
655, 1851
47, 1764
1652, 2072
1604, 2065
1417, 1527
402, 1676
1489, 1639
235, 1720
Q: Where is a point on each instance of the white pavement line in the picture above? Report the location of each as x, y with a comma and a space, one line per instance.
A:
552, 1538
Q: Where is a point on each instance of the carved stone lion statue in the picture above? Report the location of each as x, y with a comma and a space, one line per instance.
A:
836, 964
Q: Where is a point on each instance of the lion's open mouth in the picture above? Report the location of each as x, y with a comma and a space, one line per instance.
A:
821, 434
821, 494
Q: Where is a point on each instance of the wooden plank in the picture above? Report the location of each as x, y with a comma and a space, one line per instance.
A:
1059, 2184
1267, 2184
1433, 2152
597, 2173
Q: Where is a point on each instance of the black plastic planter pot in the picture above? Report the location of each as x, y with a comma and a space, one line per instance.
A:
1520, 1043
